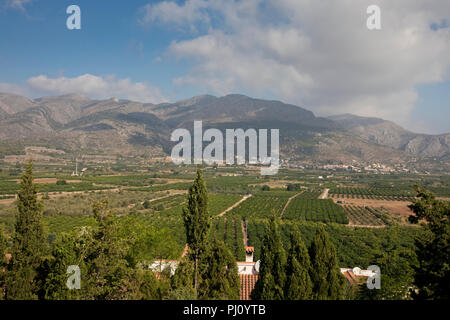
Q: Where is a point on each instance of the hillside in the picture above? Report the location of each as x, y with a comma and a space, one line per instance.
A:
390, 134
76, 123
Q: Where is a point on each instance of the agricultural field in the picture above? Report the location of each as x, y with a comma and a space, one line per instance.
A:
230, 231
263, 204
323, 210
310, 194
217, 203
392, 194
156, 199
362, 216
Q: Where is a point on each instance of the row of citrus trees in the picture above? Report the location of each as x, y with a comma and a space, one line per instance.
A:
373, 193
315, 210
362, 216
229, 230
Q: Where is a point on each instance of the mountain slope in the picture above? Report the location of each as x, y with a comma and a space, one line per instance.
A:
236, 108
390, 134
123, 126
12, 103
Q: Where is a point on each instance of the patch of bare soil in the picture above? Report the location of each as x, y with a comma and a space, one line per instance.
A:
324, 194
7, 202
55, 195
170, 181
400, 207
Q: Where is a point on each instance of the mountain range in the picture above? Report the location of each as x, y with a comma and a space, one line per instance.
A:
76, 123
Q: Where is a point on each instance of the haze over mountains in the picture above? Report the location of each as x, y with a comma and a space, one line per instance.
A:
77, 123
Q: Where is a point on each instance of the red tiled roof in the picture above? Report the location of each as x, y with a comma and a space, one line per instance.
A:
248, 282
249, 249
351, 277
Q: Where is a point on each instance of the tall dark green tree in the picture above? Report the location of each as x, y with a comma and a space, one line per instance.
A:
184, 274
272, 275
142, 284
181, 282
298, 285
67, 250
3, 262
197, 221
29, 243
219, 274
105, 257
432, 274
327, 279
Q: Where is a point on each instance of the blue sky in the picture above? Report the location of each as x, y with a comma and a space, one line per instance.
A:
158, 51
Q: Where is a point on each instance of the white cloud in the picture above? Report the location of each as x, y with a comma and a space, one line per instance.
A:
13, 88
318, 54
173, 14
16, 4
97, 87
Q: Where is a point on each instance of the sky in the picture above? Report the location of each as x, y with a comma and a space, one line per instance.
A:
319, 55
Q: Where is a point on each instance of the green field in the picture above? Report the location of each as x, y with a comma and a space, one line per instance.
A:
315, 210
230, 231
362, 216
396, 194
263, 205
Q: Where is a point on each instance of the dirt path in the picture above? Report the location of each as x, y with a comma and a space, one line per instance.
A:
185, 251
324, 194
8, 201
244, 233
364, 226
287, 203
234, 205
58, 194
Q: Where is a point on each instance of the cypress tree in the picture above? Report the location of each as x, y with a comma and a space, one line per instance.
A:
197, 222
3, 262
28, 242
272, 275
105, 258
67, 250
184, 275
298, 284
219, 277
326, 275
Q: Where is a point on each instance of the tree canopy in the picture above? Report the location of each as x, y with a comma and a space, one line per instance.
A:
432, 274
